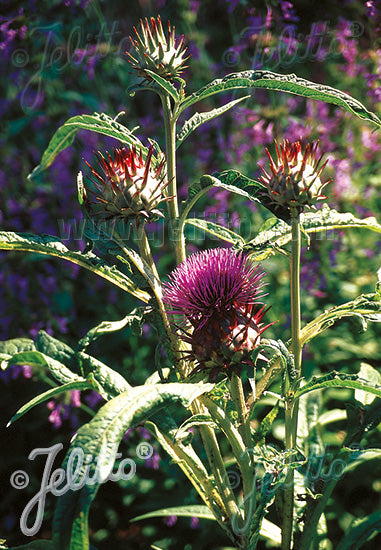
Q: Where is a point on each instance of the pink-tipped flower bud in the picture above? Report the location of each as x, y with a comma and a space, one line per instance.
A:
293, 179
130, 187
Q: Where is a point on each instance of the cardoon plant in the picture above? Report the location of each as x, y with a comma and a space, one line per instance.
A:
210, 313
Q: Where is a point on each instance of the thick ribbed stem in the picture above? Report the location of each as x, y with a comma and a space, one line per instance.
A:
170, 152
144, 247
291, 410
236, 390
217, 465
237, 394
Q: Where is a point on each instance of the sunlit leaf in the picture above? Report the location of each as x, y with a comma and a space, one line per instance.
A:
100, 123
283, 83
52, 246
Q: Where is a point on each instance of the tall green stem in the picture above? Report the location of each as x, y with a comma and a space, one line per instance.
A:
291, 410
144, 247
236, 390
173, 206
237, 394
217, 465
208, 436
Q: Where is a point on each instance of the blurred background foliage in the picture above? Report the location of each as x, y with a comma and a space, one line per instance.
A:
60, 58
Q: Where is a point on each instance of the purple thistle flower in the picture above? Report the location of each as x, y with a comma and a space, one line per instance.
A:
217, 291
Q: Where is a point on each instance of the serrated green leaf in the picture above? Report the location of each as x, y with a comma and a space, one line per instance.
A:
52, 246
367, 372
289, 83
266, 497
164, 84
265, 426
109, 326
360, 532
192, 510
164, 429
39, 360
100, 123
235, 182
100, 438
110, 383
216, 230
51, 347
199, 118
231, 180
268, 529
337, 379
366, 307
195, 420
275, 234
78, 385
16, 345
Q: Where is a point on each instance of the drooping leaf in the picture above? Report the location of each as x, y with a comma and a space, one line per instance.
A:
183, 433
110, 382
36, 359
67, 366
231, 180
192, 510
78, 385
60, 351
275, 234
132, 319
360, 532
100, 123
199, 118
366, 307
268, 529
52, 246
216, 230
100, 439
340, 380
164, 429
284, 83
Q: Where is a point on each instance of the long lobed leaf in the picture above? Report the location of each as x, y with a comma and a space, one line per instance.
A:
289, 83
52, 246
100, 123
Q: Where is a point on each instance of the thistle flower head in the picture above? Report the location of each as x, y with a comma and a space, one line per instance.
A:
129, 186
153, 50
217, 292
293, 178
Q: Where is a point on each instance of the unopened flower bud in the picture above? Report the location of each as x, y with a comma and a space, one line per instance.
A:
293, 179
153, 50
130, 187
